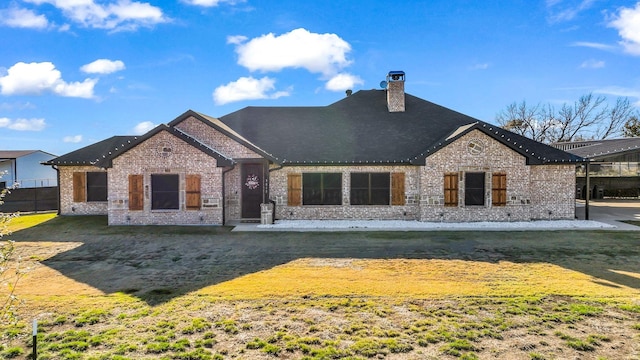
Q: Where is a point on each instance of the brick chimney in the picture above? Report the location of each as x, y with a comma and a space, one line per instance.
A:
395, 91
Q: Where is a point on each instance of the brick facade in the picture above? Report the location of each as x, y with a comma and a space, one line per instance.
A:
67, 205
532, 192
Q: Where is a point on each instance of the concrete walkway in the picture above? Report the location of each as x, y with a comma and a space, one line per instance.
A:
606, 212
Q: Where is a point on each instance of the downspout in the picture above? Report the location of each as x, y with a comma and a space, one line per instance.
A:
224, 193
54, 167
273, 209
588, 192
15, 172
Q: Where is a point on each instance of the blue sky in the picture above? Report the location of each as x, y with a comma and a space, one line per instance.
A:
73, 72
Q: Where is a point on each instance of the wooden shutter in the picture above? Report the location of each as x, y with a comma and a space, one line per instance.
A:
193, 192
451, 189
294, 189
397, 189
79, 187
136, 192
499, 189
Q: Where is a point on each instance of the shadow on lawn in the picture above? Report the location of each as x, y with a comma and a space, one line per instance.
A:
159, 263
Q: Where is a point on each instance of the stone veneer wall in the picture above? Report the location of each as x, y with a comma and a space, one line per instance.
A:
146, 159
553, 191
410, 211
228, 147
67, 206
532, 191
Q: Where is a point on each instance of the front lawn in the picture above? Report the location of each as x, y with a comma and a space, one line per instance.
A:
103, 292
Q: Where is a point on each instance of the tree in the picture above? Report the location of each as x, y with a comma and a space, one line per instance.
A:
632, 127
589, 117
10, 271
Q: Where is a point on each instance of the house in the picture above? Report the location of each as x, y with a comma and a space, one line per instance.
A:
23, 169
375, 154
614, 166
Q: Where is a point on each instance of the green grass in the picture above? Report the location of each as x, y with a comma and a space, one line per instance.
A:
435, 299
27, 221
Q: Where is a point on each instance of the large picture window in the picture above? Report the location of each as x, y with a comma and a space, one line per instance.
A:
322, 189
474, 188
370, 188
96, 186
165, 192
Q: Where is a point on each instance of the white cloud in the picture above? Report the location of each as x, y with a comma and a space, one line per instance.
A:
568, 12
23, 124
103, 66
592, 64
627, 22
483, 66
247, 88
343, 82
72, 139
36, 78
210, 3
143, 127
116, 16
325, 54
621, 92
593, 45
236, 39
22, 18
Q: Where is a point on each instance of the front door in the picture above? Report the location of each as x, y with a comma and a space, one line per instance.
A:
252, 189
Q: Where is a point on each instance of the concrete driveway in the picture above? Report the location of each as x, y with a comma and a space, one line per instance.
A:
611, 211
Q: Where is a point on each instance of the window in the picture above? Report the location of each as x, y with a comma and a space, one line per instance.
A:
96, 186
164, 192
322, 189
499, 189
89, 186
370, 188
474, 188
451, 189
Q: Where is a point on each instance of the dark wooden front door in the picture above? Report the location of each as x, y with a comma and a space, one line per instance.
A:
252, 178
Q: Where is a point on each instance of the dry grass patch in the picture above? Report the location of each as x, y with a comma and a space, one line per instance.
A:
417, 278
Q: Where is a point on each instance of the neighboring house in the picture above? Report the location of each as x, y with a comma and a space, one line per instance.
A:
23, 168
614, 166
376, 154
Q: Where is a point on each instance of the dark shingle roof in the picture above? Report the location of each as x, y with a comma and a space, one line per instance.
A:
594, 149
90, 155
102, 153
360, 129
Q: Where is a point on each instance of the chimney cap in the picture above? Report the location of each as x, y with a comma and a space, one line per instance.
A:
395, 76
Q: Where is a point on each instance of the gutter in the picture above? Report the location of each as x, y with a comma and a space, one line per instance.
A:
224, 194
273, 203
54, 167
